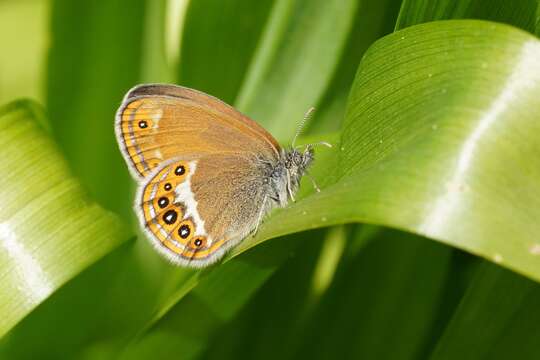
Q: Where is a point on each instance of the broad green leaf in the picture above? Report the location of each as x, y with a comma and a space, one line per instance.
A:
49, 229
373, 20
518, 12
496, 319
382, 304
215, 298
218, 42
299, 52
277, 310
104, 307
155, 65
365, 313
440, 139
537, 29
94, 59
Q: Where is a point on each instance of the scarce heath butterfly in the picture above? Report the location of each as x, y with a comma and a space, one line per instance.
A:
207, 174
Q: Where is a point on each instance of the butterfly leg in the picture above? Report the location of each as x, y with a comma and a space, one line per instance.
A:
313, 182
289, 186
261, 214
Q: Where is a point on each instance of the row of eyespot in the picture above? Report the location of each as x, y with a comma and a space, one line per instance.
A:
170, 216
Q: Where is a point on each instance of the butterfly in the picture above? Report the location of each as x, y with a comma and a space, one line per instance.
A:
206, 173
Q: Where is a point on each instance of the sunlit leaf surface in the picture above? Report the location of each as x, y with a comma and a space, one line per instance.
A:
49, 229
434, 112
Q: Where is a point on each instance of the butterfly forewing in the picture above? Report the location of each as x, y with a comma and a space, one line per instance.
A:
159, 122
201, 168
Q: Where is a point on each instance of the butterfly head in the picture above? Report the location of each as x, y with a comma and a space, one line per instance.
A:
297, 162
288, 172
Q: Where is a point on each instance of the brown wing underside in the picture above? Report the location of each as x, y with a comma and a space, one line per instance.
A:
216, 199
229, 191
160, 122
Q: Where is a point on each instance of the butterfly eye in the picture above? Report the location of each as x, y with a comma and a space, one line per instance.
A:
167, 187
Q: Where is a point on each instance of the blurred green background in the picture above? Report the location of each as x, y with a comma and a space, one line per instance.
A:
423, 243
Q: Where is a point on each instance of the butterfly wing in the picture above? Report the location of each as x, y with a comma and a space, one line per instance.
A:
160, 122
194, 210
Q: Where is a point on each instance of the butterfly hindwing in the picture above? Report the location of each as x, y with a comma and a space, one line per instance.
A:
184, 218
169, 215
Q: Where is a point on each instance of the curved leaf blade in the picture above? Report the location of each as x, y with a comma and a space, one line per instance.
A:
441, 139
49, 230
281, 85
503, 305
218, 42
93, 60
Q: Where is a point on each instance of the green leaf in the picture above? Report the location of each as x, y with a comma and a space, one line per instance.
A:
503, 307
434, 112
278, 309
49, 229
519, 13
382, 303
95, 57
537, 28
192, 317
155, 64
218, 42
282, 84
373, 20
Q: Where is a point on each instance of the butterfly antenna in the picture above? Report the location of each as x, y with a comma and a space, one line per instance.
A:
307, 115
327, 144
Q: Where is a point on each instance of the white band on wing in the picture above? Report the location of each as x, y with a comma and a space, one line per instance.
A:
185, 196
